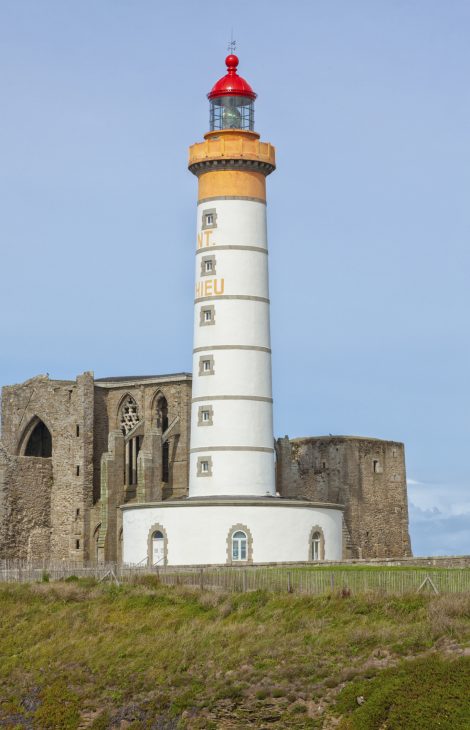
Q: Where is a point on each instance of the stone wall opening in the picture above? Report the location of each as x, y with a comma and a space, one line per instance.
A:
40, 442
162, 425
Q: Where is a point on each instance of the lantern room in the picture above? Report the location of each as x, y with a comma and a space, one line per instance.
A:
232, 100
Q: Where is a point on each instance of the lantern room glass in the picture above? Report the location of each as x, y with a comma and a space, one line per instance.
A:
232, 112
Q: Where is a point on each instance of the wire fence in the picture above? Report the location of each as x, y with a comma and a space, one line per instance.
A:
313, 580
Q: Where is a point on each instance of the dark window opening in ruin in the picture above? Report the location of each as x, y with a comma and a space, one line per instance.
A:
376, 466
133, 447
78, 471
78, 430
162, 414
324, 465
77, 512
77, 544
40, 442
165, 462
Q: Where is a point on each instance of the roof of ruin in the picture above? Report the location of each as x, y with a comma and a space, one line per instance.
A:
128, 378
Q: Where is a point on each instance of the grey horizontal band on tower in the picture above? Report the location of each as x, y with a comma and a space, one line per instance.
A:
258, 249
263, 449
231, 347
231, 397
231, 197
231, 296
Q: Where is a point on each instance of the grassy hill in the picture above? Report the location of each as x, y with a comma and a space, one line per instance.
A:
78, 655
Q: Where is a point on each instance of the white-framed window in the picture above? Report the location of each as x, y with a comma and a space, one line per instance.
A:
205, 416
208, 265
204, 466
209, 218
206, 365
207, 315
239, 545
316, 543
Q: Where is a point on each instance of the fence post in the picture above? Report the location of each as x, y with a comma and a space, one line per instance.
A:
289, 586
332, 581
244, 581
201, 579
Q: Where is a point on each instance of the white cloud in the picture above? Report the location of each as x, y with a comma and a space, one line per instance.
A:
449, 499
439, 518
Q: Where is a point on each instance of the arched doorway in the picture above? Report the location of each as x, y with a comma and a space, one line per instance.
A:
39, 442
158, 548
157, 544
97, 548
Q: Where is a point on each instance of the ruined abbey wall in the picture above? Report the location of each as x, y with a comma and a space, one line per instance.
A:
66, 408
366, 475
67, 506
110, 487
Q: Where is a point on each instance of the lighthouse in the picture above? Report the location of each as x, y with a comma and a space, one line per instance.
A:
232, 515
232, 440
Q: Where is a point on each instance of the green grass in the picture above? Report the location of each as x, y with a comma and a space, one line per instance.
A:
430, 692
74, 653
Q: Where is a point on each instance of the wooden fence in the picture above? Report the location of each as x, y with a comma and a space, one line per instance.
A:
314, 580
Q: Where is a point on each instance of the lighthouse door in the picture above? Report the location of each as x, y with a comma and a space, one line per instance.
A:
158, 548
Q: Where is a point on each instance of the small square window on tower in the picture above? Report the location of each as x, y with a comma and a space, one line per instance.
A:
205, 416
209, 218
207, 315
206, 365
208, 266
204, 466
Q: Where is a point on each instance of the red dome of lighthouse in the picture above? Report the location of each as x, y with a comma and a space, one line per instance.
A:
231, 84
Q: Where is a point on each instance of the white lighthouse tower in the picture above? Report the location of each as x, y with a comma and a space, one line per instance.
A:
231, 422
232, 515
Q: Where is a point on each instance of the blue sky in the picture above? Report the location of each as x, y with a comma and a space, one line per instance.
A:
368, 104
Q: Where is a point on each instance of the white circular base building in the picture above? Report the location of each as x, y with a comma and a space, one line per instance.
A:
231, 531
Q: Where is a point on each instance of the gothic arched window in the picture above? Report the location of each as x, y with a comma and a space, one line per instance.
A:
129, 415
162, 425
39, 442
162, 413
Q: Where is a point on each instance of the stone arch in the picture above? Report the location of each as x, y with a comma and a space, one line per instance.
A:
316, 530
249, 548
128, 414
161, 420
36, 439
157, 527
160, 410
98, 555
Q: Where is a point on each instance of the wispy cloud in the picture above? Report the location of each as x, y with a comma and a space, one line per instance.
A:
439, 518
